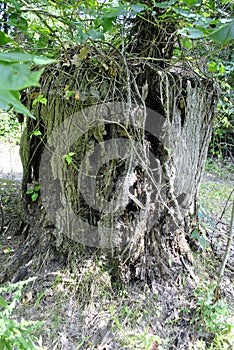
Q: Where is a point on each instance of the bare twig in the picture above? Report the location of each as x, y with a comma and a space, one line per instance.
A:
2, 216
225, 207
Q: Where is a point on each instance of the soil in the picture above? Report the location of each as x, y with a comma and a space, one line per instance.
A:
80, 306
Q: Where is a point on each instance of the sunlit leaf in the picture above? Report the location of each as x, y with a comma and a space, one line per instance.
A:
191, 32
106, 23
5, 39
30, 191
35, 196
193, 2
35, 133
3, 303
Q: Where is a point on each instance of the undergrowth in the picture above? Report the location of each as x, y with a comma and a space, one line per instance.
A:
10, 129
16, 334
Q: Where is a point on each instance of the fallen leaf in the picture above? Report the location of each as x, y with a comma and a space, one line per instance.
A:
27, 297
6, 250
77, 96
154, 346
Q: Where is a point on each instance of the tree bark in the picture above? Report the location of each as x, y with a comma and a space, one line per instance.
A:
143, 136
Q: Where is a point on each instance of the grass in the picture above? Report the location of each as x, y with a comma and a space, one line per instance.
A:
220, 168
214, 196
216, 192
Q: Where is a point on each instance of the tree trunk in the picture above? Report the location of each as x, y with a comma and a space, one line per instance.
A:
120, 151
121, 154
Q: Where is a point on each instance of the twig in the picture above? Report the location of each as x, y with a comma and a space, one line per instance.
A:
2, 216
225, 207
226, 255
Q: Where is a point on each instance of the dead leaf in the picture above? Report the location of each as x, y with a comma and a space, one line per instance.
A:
76, 60
77, 96
154, 346
6, 250
34, 95
27, 297
84, 51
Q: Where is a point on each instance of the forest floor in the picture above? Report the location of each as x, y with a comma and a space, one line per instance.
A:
80, 306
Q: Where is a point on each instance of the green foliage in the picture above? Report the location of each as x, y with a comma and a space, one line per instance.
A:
34, 192
139, 340
214, 197
219, 168
40, 99
9, 128
35, 132
16, 74
206, 35
214, 317
222, 68
68, 157
200, 237
50, 26
15, 334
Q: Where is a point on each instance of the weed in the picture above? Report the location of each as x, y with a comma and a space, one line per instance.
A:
34, 192
14, 334
213, 319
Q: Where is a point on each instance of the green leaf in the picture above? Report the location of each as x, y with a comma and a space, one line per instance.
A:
37, 188
165, 4
106, 23
3, 303
224, 33
30, 192
136, 8
193, 2
18, 76
34, 197
203, 243
195, 235
16, 20
68, 157
11, 98
81, 36
185, 13
15, 56
41, 60
5, 39
191, 32
113, 12
40, 99
212, 67
95, 34
35, 133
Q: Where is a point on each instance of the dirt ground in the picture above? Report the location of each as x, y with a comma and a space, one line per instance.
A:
80, 306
